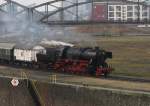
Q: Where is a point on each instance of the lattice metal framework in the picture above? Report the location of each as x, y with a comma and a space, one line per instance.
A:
44, 12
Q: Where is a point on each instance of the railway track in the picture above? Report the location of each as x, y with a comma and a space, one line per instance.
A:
118, 82
110, 77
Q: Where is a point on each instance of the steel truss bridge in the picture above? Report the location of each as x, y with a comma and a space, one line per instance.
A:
62, 14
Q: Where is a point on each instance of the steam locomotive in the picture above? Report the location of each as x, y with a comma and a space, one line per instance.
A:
65, 59
90, 61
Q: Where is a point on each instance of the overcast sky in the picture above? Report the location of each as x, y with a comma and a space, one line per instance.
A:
31, 2
36, 2
28, 2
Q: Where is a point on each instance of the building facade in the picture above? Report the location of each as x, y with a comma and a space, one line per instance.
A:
128, 12
120, 10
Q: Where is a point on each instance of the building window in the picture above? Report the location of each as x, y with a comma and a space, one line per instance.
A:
118, 14
22, 53
118, 8
144, 14
129, 8
111, 8
124, 8
137, 8
130, 14
3, 51
124, 17
136, 14
111, 14
144, 8
7, 52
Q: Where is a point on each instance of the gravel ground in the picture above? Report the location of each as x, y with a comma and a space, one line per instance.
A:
73, 79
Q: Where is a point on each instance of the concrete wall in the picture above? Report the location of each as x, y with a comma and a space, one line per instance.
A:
14, 96
58, 95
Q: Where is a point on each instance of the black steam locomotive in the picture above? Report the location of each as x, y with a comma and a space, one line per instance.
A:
90, 61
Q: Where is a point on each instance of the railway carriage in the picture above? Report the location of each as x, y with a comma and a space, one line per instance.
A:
6, 52
27, 55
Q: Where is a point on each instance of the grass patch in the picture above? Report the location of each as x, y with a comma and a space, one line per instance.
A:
131, 54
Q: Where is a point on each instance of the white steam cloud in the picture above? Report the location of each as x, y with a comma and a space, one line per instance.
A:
25, 32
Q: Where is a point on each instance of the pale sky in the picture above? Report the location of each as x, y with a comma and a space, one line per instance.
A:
31, 2
36, 2
28, 2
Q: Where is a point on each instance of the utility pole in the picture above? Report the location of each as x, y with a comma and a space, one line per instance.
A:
77, 11
138, 11
61, 12
46, 11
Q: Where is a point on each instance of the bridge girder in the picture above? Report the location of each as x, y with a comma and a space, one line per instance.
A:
64, 8
31, 10
10, 4
46, 3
